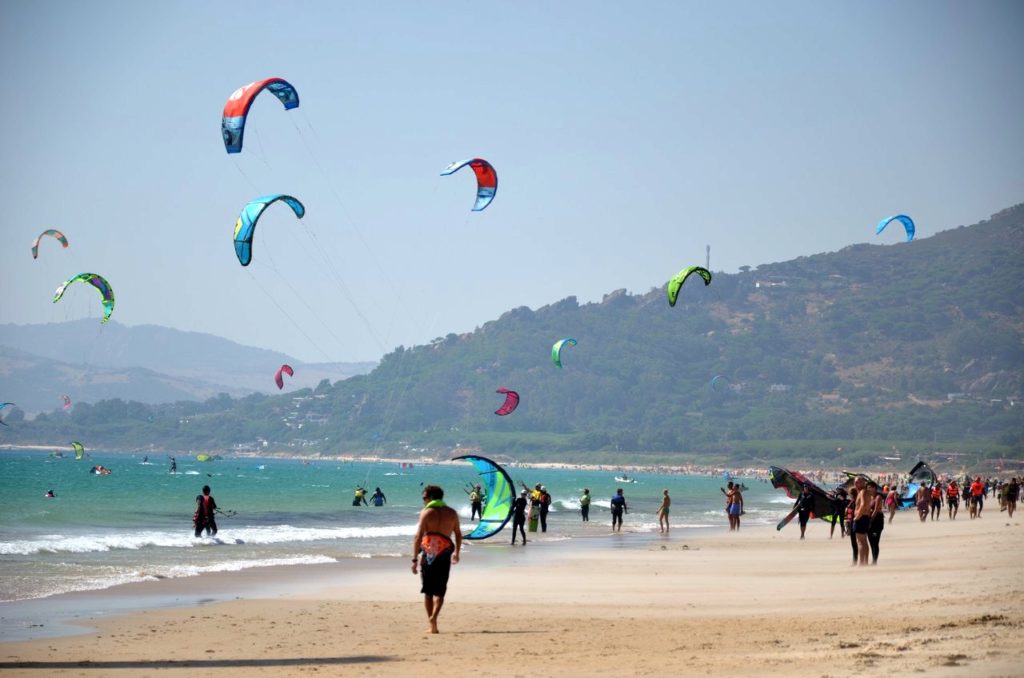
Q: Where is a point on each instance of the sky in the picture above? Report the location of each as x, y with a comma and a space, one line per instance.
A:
626, 138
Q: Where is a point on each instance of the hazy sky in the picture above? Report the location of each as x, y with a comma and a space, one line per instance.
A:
626, 137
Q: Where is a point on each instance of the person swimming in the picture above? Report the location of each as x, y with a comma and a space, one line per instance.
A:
49, 494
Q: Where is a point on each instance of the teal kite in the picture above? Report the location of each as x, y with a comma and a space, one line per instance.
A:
907, 222
556, 350
500, 493
245, 226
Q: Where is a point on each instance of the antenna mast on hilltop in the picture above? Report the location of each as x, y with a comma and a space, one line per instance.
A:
707, 257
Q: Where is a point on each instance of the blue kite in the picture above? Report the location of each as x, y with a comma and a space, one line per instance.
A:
245, 227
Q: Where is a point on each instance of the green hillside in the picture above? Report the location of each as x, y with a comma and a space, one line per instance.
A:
918, 345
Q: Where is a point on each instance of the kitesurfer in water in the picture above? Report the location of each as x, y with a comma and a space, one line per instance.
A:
433, 550
378, 498
204, 515
519, 516
359, 497
476, 503
50, 494
174, 465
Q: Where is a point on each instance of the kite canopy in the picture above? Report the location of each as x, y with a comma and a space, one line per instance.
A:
5, 405
679, 278
907, 222
232, 125
486, 180
79, 449
97, 281
50, 232
245, 226
793, 481
921, 474
203, 457
278, 376
556, 350
511, 402
67, 402
718, 382
499, 492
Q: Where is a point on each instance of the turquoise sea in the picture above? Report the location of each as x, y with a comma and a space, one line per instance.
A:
136, 523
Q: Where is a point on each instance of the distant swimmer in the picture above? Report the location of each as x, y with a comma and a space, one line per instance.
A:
359, 497
50, 494
203, 518
378, 498
433, 550
100, 470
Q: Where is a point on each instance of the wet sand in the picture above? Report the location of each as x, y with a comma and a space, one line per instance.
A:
945, 599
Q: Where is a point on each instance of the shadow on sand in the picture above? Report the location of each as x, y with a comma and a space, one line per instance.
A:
194, 663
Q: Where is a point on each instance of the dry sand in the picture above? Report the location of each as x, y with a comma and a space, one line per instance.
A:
945, 599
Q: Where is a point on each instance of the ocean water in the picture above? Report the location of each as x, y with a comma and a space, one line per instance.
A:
136, 523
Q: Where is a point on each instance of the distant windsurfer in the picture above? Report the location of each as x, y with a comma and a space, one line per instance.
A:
434, 551
203, 518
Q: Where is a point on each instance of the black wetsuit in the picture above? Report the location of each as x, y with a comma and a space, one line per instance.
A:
545, 504
204, 516
875, 534
805, 502
519, 518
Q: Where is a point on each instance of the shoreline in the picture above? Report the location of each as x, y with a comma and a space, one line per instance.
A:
757, 602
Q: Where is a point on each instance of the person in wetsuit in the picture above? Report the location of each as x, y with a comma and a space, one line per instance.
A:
618, 508
545, 505
433, 550
585, 505
359, 498
476, 503
204, 515
804, 506
519, 516
378, 498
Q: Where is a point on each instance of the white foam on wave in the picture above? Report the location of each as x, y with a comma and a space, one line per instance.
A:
278, 534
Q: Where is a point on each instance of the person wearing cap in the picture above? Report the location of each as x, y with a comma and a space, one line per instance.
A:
545, 504
519, 516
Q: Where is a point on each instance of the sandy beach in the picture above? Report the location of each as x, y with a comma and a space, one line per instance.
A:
945, 599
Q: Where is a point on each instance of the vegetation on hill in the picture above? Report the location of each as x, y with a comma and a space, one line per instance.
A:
921, 341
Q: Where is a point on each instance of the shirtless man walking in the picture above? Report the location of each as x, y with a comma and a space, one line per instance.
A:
433, 550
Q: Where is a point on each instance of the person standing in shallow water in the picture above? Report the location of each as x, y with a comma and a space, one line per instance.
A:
519, 516
585, 505
618, 508
434, 552
666, 502
203, 518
